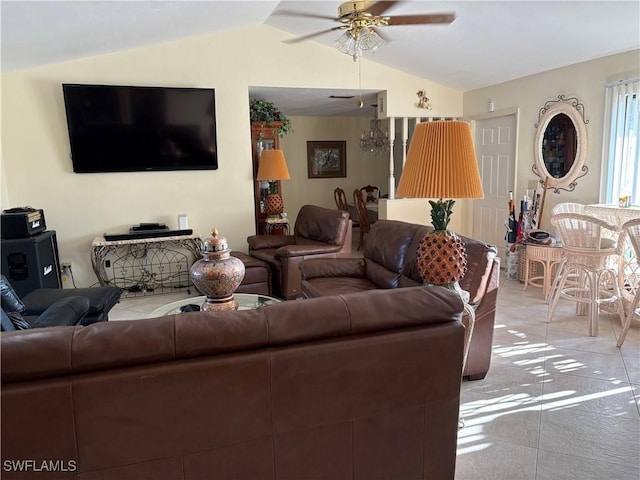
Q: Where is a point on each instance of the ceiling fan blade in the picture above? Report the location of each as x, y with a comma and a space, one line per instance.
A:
292, 13
422, 19
315, 34
379, 8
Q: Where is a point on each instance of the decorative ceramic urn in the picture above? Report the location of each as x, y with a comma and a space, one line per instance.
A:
217, 274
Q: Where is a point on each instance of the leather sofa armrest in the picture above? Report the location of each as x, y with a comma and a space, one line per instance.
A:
302, 250
10, 300
257, 242
333, 267
64, 312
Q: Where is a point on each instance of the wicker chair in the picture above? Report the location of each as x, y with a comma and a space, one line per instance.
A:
567, 207
591, 248
631, 230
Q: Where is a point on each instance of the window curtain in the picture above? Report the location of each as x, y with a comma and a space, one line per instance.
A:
621, 153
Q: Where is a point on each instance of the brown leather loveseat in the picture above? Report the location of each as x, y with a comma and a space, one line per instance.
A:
318, 232
356, 386
390, 262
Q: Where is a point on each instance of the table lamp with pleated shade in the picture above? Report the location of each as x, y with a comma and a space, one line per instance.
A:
273, 167
441, 163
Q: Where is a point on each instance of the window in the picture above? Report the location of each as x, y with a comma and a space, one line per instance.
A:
621, 153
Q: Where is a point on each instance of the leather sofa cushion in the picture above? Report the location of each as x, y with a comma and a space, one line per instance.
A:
323, 286
387, 248
66, 311
320, 224
101, 299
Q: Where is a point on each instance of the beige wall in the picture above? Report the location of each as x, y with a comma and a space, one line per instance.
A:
362, 169
35, 145
586, 81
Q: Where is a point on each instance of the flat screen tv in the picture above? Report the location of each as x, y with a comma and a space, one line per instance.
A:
129, 129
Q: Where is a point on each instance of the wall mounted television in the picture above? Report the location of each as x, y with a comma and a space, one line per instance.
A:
130, 129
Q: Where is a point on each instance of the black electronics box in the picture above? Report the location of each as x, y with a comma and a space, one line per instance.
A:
145, 227
22, 222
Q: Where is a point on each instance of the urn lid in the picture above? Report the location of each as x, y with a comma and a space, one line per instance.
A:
215, 243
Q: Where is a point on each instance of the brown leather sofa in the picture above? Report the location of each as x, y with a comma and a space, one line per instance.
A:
356, 386
389, 262
318, 232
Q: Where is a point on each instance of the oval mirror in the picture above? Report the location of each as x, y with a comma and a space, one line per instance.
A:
560, 144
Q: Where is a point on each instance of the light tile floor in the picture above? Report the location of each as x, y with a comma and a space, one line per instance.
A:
556, 403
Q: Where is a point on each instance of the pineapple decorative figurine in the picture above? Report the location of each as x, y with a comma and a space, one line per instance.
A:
441, 257
274, 205
217, 274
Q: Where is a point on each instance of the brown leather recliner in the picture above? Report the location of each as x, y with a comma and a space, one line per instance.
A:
318, 232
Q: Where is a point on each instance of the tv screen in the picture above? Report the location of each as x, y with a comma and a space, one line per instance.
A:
128, 129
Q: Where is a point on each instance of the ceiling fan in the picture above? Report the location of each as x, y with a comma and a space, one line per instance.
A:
361, 18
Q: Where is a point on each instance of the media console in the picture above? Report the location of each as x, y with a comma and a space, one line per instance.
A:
146, 266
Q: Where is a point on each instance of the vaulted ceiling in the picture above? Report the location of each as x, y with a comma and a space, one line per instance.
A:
489, 42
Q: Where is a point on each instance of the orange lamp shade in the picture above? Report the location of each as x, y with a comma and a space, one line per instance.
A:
441, 163
272, 166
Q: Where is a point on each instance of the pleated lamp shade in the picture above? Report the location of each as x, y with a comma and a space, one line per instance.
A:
441, 163
272, 166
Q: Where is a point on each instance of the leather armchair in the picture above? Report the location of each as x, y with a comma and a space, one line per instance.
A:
46, 306
318, 233
64, 312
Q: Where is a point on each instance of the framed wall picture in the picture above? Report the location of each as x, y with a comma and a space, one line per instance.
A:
327, 159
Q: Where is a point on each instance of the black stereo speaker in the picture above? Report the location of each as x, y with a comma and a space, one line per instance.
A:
21, 222
31, 262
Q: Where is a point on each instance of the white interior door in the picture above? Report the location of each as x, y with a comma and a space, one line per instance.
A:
496, 151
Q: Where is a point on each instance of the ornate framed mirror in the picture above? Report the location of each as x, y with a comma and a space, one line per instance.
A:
560, 146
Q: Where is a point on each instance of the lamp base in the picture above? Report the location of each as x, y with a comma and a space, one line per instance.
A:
441, 258
274, 204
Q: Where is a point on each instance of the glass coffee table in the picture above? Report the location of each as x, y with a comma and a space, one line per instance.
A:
246, 301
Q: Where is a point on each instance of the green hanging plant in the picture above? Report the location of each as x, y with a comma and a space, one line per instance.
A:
262, 111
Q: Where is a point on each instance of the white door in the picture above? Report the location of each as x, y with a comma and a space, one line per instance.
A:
496, 152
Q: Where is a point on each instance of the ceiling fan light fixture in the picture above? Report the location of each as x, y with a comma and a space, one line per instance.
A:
348, 44
354, 41
368, 39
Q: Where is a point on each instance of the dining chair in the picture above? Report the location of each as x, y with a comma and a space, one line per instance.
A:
590, 252
631, 230
363, 215
341, 202
341, 199
372, 193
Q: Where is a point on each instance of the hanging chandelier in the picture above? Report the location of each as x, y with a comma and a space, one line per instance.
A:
374, 142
